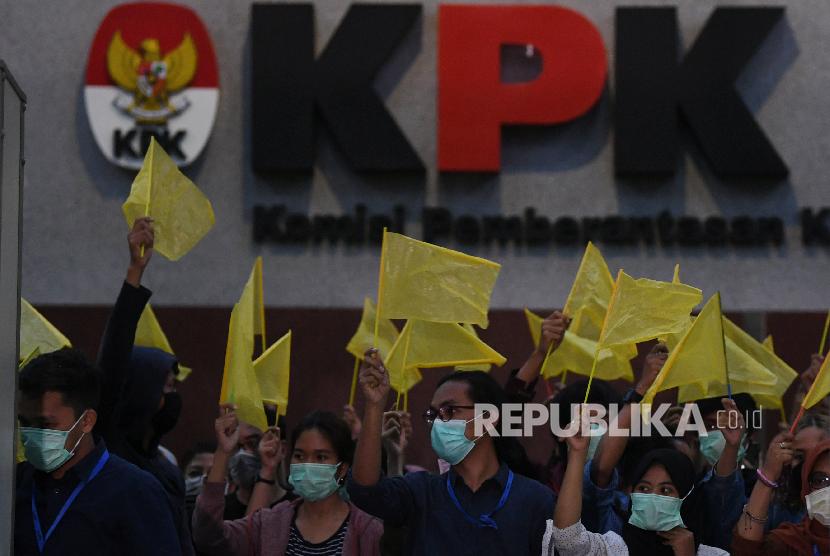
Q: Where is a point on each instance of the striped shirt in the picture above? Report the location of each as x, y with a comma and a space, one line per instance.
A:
333, 546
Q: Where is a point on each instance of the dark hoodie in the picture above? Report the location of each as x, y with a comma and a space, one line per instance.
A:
133, 387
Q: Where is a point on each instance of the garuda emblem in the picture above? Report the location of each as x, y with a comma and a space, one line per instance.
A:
150, 78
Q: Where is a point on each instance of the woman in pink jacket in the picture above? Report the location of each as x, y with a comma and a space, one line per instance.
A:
319, 521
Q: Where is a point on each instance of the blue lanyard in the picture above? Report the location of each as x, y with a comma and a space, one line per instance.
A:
484, 520
41, 540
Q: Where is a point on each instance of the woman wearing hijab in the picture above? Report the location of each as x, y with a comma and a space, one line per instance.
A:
320, 521
810, 537
666, 514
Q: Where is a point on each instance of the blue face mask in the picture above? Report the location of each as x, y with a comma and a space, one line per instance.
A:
653, 512
713, 444
46, 449
314, 481
450, 441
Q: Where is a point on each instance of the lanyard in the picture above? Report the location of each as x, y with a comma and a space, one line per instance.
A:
484, 520
41, 540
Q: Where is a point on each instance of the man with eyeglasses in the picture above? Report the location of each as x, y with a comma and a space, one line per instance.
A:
481, 505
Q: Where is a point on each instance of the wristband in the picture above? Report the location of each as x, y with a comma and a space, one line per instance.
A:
261, 479
632, 396
766, 480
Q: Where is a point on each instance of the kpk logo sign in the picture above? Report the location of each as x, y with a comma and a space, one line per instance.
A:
151, 72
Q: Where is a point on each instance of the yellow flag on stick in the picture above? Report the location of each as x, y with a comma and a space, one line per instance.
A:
363, 336
473, 367
576, 354
645, 309
820, 387
181, 214
425, 345
149, 334
37, 333
699, 358
429, 283
239, 381
254, 294
273, 371
590, 294
769, 343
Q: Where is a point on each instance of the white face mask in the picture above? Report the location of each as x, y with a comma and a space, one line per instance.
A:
818, 506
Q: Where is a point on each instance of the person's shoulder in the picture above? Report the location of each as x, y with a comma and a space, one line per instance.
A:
130, 476
364, 523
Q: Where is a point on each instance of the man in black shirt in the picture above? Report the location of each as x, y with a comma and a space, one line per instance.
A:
72, 495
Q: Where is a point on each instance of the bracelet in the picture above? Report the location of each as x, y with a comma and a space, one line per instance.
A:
752, 518
261, 479
766, 480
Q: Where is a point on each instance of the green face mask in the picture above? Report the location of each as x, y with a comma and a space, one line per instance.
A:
314, 481
46, 448
653, 512
713, 444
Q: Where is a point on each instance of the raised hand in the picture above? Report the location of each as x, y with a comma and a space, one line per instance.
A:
374, 380
779, 453
141, 235
351, 418
227, 429
652, 366
397, 428
731, 422
553, 330
271, 452
578, 443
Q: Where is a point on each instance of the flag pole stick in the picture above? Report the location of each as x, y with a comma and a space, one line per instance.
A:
406, 401
725, 360
824, 335
591, 376
564, 376
353, 389
403, 370
797, 419
149, 189
380, 289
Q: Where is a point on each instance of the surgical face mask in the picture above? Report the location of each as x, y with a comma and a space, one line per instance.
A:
594, 441
818, 506
193, 485
713, 444
314, 481
46, 448
450, 441
166, 418
653, 512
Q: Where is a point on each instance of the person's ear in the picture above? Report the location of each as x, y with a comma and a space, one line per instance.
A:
342, 472
88, 420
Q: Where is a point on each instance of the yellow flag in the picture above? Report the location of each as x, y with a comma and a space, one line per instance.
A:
181, 214
149, 334
576, 354
590, 294
239, 381
273, 371
37, 333
820, 388
752, 370
698, 358
644, 309
254, 295
769, 343
423, 281
404, 381
364, 335
425, 345
473, 367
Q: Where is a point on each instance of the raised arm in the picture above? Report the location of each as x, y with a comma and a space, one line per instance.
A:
553, 330
374, 383
569, 504
271, 454
750, 526
397, 429
611, 448
117, 343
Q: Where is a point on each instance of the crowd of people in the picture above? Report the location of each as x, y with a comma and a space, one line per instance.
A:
97, 479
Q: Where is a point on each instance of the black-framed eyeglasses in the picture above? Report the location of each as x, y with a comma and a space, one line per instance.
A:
445, 412
818, 480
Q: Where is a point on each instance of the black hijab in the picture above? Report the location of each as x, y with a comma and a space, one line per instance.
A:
682, 473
